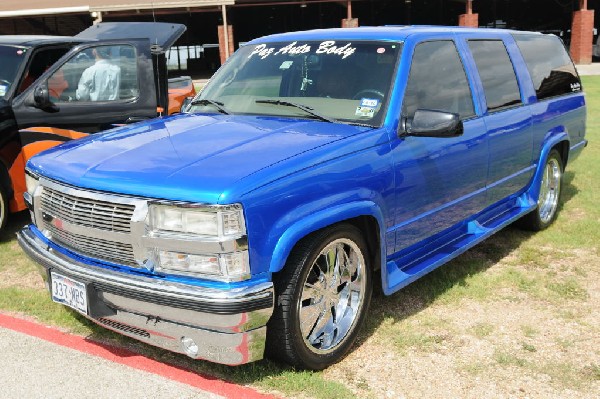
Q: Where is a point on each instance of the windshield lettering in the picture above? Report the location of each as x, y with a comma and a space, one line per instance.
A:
262, 51
329, 47
292, 49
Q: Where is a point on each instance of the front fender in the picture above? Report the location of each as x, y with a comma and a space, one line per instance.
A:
318, 220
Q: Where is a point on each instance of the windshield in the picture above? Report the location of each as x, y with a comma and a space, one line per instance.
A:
12, 58
323, 80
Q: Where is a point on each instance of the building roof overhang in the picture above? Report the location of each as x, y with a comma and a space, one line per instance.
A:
22, 8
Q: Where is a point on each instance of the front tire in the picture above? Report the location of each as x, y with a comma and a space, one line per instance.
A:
549, 197
4, 210
323, 294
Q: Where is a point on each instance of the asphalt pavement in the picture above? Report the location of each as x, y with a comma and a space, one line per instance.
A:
37, 361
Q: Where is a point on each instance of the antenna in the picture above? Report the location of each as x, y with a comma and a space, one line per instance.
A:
159, 87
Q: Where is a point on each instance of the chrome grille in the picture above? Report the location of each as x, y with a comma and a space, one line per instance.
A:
124, 327
87, 212
96, 248
66, 215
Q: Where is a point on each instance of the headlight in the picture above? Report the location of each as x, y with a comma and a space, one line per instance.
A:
223, 267
217, 221
32, 181
206, 241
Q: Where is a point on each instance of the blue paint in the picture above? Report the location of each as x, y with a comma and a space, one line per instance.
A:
430, 198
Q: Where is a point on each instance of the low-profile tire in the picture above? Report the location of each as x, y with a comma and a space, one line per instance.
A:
322, 297
549, 198
4, 210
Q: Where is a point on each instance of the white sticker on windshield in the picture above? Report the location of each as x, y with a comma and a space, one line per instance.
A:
3, 90
365, 112
369, 102
286, 64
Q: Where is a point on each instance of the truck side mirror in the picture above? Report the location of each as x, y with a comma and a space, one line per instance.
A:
430, 123
41, 99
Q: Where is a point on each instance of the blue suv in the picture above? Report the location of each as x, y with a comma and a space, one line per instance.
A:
312, 162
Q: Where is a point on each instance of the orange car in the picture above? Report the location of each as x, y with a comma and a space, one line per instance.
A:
55, 89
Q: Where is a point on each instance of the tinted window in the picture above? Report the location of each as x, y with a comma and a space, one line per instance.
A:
437, 81
496, 73
549, 65
102, 73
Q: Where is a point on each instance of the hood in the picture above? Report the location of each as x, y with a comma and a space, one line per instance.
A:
186, 157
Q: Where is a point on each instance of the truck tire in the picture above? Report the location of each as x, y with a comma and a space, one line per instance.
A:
322, 297
4, 211
549, 197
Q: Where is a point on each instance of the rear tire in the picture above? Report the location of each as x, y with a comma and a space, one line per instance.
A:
549, 197
322, 296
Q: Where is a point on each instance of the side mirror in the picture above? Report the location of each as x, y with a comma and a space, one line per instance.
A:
429, 123
41, 99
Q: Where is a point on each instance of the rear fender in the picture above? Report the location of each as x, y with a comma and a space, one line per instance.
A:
552, 139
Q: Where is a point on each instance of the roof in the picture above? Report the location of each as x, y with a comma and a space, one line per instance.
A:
30, 41
394, 33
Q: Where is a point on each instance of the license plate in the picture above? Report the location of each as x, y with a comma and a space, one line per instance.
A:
69, 292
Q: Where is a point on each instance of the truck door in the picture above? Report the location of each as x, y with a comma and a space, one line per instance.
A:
508, 121
439, 181
94, 86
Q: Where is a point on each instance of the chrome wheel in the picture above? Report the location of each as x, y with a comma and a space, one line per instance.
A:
549, 190
332, 296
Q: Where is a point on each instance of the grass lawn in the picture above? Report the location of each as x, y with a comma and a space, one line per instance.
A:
517, 316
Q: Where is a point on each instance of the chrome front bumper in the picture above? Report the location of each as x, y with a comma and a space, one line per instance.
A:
228, 326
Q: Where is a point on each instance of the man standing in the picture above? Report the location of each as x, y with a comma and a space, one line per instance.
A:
101, 81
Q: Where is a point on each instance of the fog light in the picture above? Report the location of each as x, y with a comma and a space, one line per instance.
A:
189, 347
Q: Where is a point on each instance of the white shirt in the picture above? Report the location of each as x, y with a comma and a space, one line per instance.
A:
100, 82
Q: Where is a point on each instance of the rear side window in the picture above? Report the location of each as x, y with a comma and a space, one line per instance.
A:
437, 81
496, 73
549, 65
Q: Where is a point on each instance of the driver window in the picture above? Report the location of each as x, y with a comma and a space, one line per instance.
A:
102, 73
437, 81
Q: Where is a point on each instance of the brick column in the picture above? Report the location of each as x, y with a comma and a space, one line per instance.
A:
468, 18
582, 36
350, 23
222, 52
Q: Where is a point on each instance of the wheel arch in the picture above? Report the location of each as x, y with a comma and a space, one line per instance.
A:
364, 215
561, 143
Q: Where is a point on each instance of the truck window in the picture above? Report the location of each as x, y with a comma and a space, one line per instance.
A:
40, 62
12, 58
102, 73
496, 72
551, 69
437, 81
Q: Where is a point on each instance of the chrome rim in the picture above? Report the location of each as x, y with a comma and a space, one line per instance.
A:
550, 190
332, 296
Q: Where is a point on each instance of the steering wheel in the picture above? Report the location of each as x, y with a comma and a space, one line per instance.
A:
366, 92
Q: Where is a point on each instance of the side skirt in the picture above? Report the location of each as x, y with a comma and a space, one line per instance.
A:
416, 261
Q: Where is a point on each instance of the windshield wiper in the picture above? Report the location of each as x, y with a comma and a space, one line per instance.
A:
217, 104
304, 108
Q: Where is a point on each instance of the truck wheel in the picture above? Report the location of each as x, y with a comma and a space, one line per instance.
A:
548, 200
3, 208
323, 294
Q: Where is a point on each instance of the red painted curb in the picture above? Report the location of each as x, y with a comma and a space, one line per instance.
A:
131, 359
